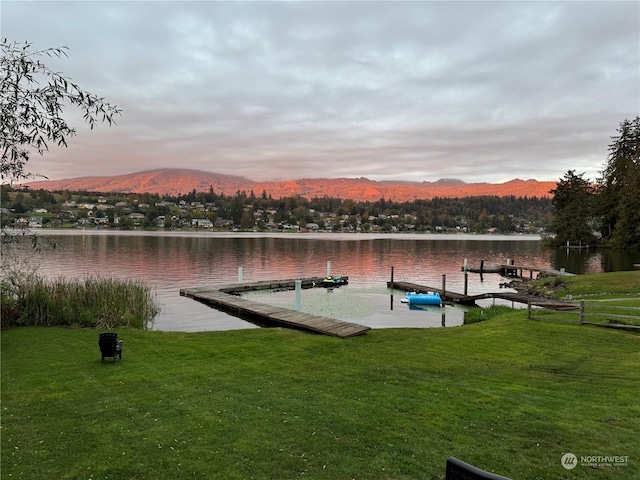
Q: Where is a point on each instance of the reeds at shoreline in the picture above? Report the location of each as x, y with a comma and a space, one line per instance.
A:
93, 302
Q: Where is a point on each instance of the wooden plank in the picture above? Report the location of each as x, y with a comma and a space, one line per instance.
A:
307, 282
613, 315
273, 314
505, 269
550, 271
471, 299
414, 287
614, 325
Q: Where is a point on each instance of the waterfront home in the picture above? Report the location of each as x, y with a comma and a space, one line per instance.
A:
201, 223
35, 222
137, 218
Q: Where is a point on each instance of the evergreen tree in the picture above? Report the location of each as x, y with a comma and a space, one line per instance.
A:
572, 201
627, 230
618, 192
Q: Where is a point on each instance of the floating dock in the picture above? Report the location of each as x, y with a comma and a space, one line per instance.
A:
508, 270
459, 298
225, 298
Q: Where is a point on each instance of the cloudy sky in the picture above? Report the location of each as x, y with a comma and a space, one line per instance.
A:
479, 91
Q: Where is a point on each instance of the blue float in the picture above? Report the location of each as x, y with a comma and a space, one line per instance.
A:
429, 298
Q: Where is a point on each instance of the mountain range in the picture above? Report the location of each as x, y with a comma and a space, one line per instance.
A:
176, 181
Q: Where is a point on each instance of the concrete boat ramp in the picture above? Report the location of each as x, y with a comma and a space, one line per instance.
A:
226, 298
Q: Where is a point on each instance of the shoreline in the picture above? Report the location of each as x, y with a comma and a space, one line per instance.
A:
310, 235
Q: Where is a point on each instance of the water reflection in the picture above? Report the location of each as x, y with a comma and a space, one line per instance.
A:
370, 306
170, 261
589, 260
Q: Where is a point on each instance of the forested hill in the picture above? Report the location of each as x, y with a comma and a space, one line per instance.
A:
183, 181
479, 214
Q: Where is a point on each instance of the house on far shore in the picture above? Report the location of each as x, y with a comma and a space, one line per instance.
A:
224, 223
201, 223
137, 218
35, 222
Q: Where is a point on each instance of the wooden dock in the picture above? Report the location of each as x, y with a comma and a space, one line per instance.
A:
509, 270
446, 296
225, 298
287, 284
459, 298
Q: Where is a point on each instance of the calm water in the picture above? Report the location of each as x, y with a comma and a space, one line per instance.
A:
169, 261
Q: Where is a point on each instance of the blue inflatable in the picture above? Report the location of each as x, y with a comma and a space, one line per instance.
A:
429, 298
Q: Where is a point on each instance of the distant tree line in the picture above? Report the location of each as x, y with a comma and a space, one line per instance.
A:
250, 211
610, 207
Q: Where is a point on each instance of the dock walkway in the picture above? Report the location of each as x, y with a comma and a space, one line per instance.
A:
453, 297
508, 270
224, 299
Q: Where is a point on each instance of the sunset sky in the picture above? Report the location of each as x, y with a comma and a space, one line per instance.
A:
479, 91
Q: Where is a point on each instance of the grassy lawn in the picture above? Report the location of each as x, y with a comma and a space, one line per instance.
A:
608, 298
509, 395
597, 285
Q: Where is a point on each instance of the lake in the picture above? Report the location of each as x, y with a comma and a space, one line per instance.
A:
170, 261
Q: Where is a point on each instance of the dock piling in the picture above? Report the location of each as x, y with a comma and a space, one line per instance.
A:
466, 277
298, 294
226, 298
444, 287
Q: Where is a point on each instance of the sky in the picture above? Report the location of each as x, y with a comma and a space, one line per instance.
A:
387, 90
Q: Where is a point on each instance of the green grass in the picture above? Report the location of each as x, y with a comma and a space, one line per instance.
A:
595, 285
609, 297
508, 395
475, 315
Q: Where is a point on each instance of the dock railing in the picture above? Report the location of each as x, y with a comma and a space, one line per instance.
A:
593, 312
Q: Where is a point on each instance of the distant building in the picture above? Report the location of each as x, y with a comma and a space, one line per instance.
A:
35, 222
68, 214
137, 218
201, 223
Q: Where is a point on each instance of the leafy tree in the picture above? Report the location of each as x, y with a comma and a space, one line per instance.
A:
618, 192
32, 97
126, 223
573, 200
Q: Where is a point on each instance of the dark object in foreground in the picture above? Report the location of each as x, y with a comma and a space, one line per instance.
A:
459, 470
110, 346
